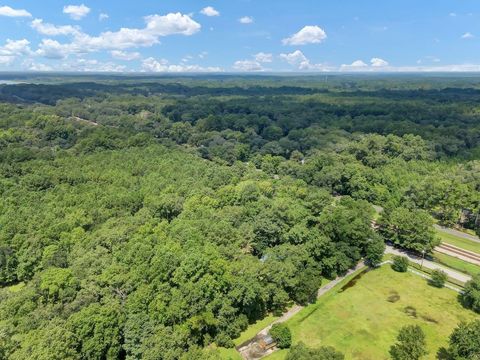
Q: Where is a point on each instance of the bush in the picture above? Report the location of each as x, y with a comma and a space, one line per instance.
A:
302, 352
438, 278
282, 335
400, 263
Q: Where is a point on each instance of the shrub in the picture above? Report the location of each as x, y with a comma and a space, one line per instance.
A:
282, 335
302, 352
400, 263
438, 278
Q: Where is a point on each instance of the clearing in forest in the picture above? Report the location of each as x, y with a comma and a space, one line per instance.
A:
362, 318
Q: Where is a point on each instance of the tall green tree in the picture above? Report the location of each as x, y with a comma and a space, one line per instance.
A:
410, 345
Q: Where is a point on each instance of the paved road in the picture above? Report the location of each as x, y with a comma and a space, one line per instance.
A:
429, 264
457, 233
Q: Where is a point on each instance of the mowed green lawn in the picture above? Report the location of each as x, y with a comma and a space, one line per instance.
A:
363, 320
458, 241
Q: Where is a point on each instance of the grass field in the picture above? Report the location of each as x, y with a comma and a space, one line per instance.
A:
364, 319
456, 264
229, 354
253, 329
458, 241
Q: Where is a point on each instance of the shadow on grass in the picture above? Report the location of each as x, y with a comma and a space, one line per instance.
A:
442, 354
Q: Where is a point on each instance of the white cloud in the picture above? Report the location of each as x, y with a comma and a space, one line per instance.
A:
123, 55
355, 66
156, 27
246, 20
299, 60
52, 49
262, 57
152, 65
307, 35
76, 12
377, 62
452, 14
467, 35
6, 60
247, 65
8, 11
53, 30
103, 16
33, 66
209, 11
92, 65
203, 55
13, 49
294, 58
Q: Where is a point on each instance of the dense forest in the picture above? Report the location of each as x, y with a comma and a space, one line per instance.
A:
150, 218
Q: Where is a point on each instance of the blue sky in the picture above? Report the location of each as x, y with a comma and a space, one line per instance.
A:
240, 35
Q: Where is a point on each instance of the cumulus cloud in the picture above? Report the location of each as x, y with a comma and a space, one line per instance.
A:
76, 12
262, 57
354, 66
156, 27
92, 65
52, 49
467, 35
103, 16
123, 55
8, 11
33, 66
247, 65
13, 49
377, 62
307, 35
53, 30
245, 20
209, 11
301, 62
152, 65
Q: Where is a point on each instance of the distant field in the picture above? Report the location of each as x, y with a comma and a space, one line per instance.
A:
364, 319
458, 241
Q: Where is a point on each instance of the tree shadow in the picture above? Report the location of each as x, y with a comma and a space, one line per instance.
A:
442, 354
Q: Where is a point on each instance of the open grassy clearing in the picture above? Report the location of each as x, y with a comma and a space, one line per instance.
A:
456, 264
458, 241
253, 329
229, 354
363, 320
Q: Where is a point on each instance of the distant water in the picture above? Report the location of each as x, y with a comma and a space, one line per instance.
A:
9, 82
